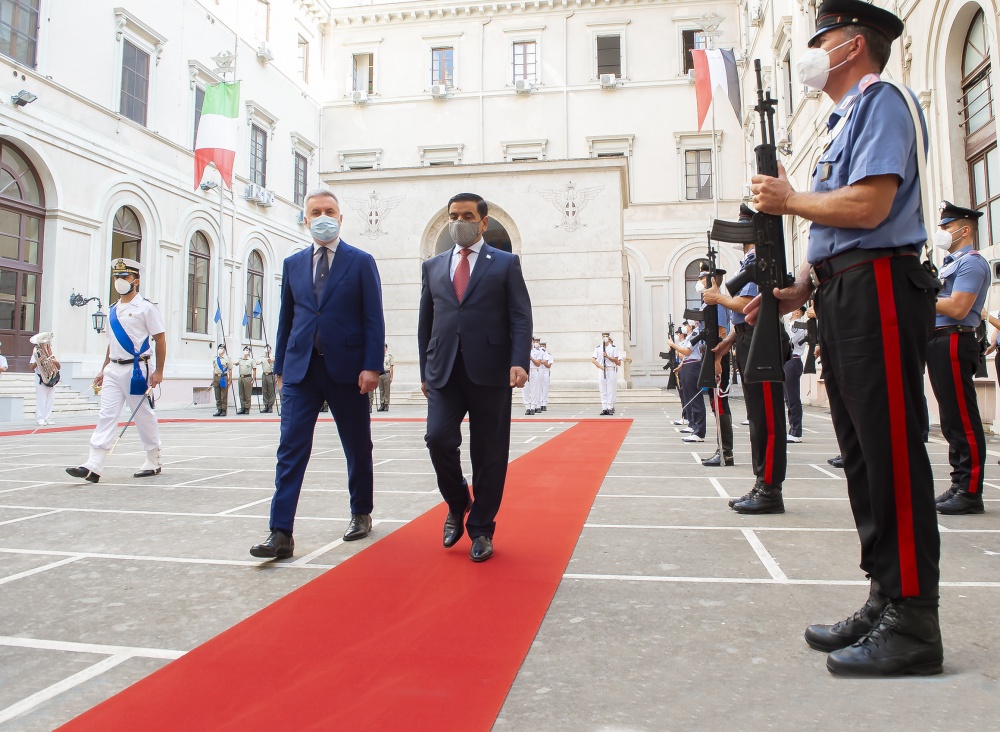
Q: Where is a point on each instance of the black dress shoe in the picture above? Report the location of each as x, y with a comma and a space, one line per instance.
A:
219, 414
962, 502
717, 460
277, 546
905, 641
829, 638
766, 499
359, 528
84, 473
454, 527
749, 494
837, 462
529, 411
545, 409
265, 410
482, 549
604, 412
146, 473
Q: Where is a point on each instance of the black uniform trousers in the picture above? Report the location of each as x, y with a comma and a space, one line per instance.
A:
793, 395
951, 362
766, 413
488, 408
682, 394
696, 397
874, 322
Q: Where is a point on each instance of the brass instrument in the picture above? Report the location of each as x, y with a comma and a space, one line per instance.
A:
48, 367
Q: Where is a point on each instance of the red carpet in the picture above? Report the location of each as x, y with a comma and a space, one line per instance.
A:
433, 643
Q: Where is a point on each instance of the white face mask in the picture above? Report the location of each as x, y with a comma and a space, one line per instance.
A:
699, 286
943, 239
813, 66
122, 286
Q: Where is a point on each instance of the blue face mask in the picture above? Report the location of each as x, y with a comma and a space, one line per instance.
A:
324, 228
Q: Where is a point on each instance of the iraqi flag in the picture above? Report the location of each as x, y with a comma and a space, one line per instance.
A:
217, 131
715, 73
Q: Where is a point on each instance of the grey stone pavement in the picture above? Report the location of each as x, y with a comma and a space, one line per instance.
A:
674, 614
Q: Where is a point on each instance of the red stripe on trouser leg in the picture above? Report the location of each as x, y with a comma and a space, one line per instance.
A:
909, 580
963, 411
769, 421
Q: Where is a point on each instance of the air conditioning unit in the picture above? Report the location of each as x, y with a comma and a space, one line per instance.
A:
747, 193
259, 195
359, 96
609, 81
439, 91
264, 53
690, 76
995, 269
523, 86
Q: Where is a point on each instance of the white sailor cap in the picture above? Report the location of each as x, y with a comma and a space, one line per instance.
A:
122, 267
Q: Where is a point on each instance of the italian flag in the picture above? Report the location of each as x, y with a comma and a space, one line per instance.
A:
217, 131
715, 71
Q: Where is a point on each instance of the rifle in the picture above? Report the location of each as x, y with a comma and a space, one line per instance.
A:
671, 355
766, 357
706, 376
812, 338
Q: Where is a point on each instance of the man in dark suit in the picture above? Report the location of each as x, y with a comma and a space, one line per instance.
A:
474, 340
329, 348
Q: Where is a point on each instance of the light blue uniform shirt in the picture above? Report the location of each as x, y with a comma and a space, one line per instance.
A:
964, 271
877, 139
749, 291
696, 350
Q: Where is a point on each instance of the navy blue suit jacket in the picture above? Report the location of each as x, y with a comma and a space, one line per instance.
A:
492, 323
348, 315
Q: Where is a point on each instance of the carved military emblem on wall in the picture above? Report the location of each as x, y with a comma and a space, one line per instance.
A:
374, 211
570, 202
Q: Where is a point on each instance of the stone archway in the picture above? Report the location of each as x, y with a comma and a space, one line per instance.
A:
501, 233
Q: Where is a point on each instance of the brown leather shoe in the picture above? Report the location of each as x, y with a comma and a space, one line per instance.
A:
359, 528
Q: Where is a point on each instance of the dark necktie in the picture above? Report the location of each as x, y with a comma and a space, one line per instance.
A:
462, 274
322, 270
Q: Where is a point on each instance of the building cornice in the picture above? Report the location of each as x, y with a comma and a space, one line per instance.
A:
406, 12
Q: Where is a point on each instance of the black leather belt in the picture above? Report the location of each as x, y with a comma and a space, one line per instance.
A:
949, 329
742, 327
840, 263
123, 361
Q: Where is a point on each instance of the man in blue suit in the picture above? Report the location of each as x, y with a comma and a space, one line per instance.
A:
329, 348
474, 341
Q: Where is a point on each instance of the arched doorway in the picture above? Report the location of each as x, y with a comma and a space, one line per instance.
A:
126, 241
496, 236
22, 213
981, 152
692, 298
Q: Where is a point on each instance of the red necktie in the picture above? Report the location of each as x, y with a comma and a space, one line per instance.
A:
462, 274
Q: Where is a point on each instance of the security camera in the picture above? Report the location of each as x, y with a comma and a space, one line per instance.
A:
23, 98
208, 185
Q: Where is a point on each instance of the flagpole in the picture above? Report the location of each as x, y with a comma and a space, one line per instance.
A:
218, 309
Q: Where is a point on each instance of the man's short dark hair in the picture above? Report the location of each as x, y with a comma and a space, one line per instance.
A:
481, 206
879, 47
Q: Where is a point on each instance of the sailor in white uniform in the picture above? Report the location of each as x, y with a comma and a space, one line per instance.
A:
135, 327
547, 362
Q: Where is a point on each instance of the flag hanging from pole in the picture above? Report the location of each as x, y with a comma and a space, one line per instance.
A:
218, 314
245, 318
217, 131
256, 309
715, 72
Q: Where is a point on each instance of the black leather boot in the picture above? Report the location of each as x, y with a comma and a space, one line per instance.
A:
840, 635
952, 490
767, 499
726, 437
714, 461
746, 496
962, 502
905, 641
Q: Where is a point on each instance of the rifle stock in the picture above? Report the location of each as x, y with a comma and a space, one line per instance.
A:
710, 314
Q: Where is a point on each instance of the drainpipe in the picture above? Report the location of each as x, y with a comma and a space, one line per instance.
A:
566, 77
482, 74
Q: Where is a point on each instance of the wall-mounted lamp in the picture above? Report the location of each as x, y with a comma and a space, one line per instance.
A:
78, 301
208, 185
23, 98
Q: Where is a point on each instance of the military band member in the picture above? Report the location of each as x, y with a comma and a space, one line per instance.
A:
547, 362
764, 401
222, 377
607, 360
953, 354
267, 379
533, 388
246, 369
876, 306
135, 326
45, 385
